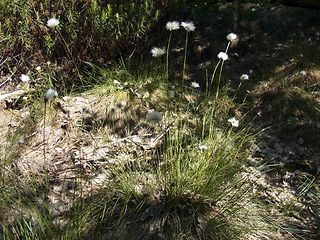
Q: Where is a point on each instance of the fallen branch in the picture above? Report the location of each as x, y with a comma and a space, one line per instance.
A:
15, 94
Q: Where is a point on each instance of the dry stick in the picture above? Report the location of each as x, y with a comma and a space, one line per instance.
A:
8, 79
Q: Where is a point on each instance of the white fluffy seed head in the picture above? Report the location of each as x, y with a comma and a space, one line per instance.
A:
188, 26
203, 147
116, 82
171, 26
53, 22
303, 73
232, 36
154, 117
244, 77
234, 122
24, 78
50, 94
195, 85
157, 52
223, 56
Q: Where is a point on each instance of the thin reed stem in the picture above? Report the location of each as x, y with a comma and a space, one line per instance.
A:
214, 71
207, 83
185, 58
44, 132
45, 165
228, 45
167, 71
71, 56
167, 64
219, 80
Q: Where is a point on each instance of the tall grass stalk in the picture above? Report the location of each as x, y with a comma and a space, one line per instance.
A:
167, 72
185, 57
167, 62
219, 80
228, 45
220, 72
44, 133
71, 56
215, 70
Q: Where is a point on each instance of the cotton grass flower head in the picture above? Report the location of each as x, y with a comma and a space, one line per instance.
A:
223, 56
50, 94
24, 78
203, 147
53, 22
188, 26
113, 107
232, 36
116, 82
123, 104
154, 117
171, 26
303, 73
157, 52
244, 77
195, 85
234, 122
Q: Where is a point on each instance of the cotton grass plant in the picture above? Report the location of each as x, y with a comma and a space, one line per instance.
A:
190, 186
189, 27
21, 217
48, 96
53, 23
193, 190
170, 26
222, 56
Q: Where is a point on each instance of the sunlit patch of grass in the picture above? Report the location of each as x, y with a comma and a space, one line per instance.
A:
176, 191
188, 192
17, 188
187, 182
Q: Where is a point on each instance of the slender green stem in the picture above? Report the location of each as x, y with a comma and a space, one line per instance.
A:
184, 66
167, 71
44, 132
45, 165
207, 83
203, 127
167, 64
185, 58
219, 80
228, 47
71, 56
214, 71
216, 67
49, 78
